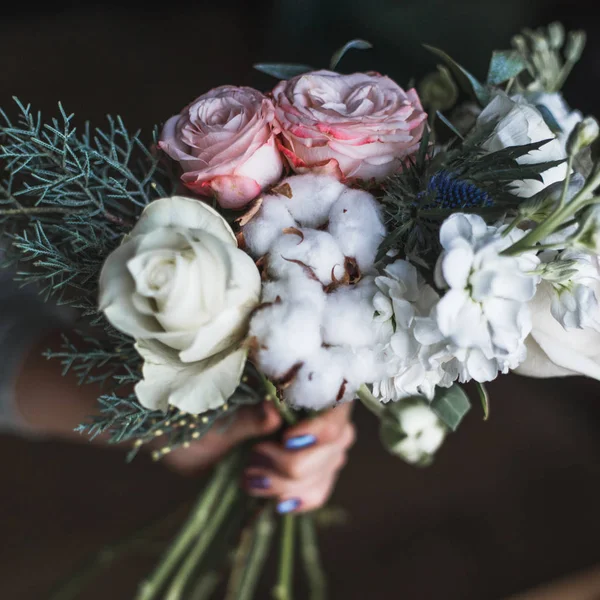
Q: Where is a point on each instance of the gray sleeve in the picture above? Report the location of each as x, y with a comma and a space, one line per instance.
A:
24, 319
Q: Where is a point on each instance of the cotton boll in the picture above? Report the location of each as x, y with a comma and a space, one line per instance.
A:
355, 222
320, 382
348, 316
317, 252
267, 225
312, 198
286, 334
363, 365
298, 289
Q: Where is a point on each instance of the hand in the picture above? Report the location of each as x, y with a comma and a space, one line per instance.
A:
247, 423
300, 473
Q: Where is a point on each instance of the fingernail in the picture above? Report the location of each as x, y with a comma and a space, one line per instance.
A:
257, 483
287, 506
259, 460
300, 441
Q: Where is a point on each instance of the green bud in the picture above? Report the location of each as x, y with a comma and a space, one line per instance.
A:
411, 430
438, 90
556, 35
584, 134
588, 233
559, 271
575, 46
520, 44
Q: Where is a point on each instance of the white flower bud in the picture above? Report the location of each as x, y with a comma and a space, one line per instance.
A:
412, 431
584, 134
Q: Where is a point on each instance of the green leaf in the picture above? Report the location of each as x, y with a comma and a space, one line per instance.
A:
423, 148
505, 65
467, 81
451, 405
283, 70
485, 400
449, 125
513, 152
516, 173
353, 44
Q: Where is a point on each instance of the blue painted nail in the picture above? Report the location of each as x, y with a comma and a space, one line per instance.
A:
258, 483
288, 506
300, 441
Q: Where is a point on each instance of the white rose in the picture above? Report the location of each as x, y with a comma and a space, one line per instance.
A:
181, 287
552, 350
519, 123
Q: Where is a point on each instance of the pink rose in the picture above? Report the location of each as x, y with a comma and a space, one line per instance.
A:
361, 125
225, 143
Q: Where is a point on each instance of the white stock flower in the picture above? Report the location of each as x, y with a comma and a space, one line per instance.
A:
575, 304
402, 299
483, 317
519, 123
314, 332
181, 287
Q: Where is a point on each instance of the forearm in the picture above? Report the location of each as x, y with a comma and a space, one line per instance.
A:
47, 401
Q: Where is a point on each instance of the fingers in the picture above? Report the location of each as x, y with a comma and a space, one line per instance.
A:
299, 464
300, 480
324, 428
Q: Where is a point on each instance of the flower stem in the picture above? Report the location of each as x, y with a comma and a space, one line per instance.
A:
250, 556
565, 190
312, 560
556, 219
369, 401
284, 410
182, 577
283, 590
151, 587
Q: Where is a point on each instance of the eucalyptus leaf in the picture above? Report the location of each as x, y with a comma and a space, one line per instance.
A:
467, 81
451, 405
505, 65
351, 45
283, 70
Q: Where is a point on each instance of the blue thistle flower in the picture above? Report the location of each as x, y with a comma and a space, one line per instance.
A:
453, 194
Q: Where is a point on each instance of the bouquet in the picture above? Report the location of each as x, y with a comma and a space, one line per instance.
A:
335, 238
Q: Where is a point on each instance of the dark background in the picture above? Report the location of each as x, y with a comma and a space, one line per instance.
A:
508, 504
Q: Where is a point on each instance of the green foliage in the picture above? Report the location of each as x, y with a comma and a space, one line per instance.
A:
414, 212
467, 82
505, 65
353, 44
66, 200
282, 70
451, 405
549, 55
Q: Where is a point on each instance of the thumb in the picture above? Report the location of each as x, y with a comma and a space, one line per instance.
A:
252, 422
